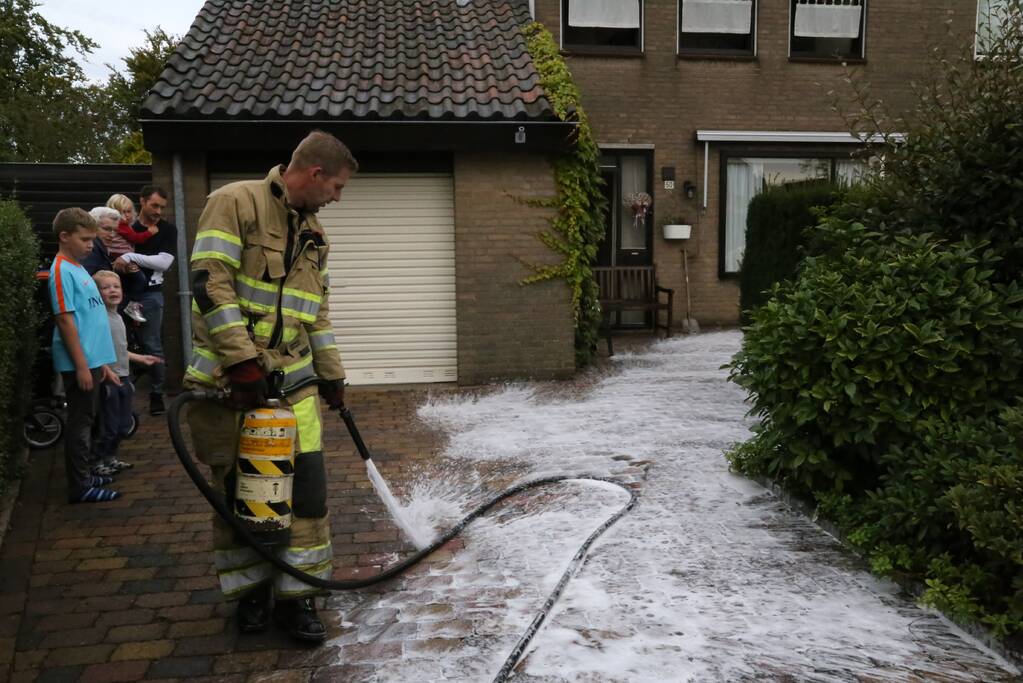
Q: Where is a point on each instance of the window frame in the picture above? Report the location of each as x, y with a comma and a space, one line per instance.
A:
805, 151
829, 58
721, 53
591, 48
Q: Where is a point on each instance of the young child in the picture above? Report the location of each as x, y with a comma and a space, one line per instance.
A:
122, 242
82, 348
115, 398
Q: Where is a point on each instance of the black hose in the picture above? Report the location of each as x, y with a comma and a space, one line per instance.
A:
218, 503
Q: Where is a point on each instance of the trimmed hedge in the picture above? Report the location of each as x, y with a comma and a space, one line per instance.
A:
888, 374
19, 257
776, 228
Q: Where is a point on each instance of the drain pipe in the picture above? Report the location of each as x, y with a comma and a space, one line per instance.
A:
184, 291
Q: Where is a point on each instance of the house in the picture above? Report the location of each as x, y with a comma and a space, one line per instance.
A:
440, 102
697, 103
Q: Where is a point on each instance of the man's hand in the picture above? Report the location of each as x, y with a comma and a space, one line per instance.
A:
111, 376
248, 385
333, 392
84, 378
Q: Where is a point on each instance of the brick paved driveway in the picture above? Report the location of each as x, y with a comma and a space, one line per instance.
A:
125, 591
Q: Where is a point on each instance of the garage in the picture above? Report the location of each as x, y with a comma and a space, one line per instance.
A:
392, 271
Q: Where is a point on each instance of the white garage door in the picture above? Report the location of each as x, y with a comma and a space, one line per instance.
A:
392, 276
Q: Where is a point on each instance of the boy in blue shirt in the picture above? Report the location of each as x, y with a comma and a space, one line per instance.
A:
82, 348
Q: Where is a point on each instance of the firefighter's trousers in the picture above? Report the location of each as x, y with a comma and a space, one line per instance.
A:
215, 433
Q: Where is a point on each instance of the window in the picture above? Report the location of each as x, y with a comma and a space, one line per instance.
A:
746, 177
722, 27
828, 28
992, 18
602, 25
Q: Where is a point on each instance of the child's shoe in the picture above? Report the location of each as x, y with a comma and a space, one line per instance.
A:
103, 470
133, 309
119, 465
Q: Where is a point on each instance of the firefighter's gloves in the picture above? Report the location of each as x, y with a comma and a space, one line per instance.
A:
248, 385
333, 392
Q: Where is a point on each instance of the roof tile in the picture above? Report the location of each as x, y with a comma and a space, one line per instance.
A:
353, 59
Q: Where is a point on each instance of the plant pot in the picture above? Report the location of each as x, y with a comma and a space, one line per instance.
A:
673, 231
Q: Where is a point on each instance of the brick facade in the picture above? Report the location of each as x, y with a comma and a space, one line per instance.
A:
661, 99
506, 330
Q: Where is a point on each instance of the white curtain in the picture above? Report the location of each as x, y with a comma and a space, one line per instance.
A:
745, 181
814, 19
633, 170
850, 171
603, 13
990, 15
717, 16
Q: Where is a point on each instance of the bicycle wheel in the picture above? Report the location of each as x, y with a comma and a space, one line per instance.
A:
134, 425
43, 427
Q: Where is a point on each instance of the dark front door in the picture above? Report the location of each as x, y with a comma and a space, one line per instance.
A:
627, 237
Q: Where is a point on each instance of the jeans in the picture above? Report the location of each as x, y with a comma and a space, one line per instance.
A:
115, 407
152, 342
81, 414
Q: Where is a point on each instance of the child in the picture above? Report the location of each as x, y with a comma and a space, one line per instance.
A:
82, 347
122, 242
115, 398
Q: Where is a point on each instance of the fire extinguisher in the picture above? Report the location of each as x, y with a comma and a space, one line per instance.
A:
265, 469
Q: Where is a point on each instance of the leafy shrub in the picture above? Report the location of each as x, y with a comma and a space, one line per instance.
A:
19, 255
887, 374
776, 224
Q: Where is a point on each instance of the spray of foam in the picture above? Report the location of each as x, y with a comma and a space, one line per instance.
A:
428, 508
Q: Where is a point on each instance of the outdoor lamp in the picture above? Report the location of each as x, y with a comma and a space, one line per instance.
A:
689, 188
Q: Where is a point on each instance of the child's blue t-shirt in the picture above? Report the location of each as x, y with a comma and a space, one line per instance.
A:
73, 291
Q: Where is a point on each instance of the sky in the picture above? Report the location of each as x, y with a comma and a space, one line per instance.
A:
117, 25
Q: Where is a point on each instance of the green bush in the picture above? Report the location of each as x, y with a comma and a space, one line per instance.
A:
776, 224
19, 256
887, 374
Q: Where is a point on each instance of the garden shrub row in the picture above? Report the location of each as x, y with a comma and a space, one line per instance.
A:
886, 374
19, 257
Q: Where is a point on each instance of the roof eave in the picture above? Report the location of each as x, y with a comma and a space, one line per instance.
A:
183, 135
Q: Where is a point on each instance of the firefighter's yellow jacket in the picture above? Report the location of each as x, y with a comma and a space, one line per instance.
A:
260, 287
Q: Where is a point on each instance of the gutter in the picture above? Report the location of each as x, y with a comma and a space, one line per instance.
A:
184, 285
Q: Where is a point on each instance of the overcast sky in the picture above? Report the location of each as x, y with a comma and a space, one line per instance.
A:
118, 25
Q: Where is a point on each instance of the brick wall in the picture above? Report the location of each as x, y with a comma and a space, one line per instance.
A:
196, 188
662, 100
506, 330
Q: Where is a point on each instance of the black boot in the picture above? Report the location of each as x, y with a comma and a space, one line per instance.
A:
298, 617
254, 609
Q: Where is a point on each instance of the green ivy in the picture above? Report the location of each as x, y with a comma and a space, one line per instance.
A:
577, 228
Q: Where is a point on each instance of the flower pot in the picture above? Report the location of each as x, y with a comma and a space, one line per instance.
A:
677, 232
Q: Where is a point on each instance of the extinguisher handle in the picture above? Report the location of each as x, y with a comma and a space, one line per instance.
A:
349, 421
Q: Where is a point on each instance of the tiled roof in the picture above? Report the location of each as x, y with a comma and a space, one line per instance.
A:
353, 59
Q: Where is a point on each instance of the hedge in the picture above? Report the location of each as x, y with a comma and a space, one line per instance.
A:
776, 228
19, 258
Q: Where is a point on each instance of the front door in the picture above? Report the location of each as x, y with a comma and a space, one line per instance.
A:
628, 237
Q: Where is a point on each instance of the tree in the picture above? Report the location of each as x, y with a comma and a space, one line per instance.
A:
127, 91
39, 83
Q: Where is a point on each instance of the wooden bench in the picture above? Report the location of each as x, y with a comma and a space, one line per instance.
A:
632, 288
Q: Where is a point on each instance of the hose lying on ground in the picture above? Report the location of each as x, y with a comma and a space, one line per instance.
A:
220, 505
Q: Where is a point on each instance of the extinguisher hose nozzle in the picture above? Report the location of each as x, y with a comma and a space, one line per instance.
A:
360, 445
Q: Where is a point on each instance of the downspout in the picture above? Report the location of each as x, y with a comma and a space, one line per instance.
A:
706, 170
184, 284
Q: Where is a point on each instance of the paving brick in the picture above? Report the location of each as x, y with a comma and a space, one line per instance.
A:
70, 656
60, 674
155, 600
64, 622
136, 632
241, 662
114, 672
153, 649
180, 667
205, 627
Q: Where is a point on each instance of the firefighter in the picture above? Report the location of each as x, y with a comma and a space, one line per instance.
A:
260, 291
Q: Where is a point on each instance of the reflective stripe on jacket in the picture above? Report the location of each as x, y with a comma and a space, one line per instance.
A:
247, 301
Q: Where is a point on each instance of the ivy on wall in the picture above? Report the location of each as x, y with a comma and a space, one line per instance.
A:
577, 227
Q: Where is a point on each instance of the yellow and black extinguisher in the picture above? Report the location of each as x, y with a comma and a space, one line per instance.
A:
265, 471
